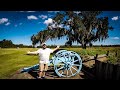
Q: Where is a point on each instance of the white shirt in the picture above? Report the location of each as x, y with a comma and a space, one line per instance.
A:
44, 55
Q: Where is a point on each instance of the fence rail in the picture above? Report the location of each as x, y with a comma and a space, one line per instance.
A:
105, 70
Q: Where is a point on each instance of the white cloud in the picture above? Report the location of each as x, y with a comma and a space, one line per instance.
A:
53, 26
77, 12
30, 11
115, 38
3, 20
25, 11
60, 26
49, 21
50, 15
115, 18
8, 23
43, 16
53, 11
32, 17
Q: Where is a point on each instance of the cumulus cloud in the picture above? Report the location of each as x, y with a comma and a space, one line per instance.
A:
52, 23
50, 11
60, 26
43, 16
32, 17
3, 20
77, 12
49, 21
25, 11
8, 23
50, 15
30, 11
53, 11
115, 38
115, 18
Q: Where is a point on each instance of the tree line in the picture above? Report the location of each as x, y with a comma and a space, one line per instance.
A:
9, 44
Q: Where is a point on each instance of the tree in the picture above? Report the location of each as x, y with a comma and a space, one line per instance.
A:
6, 43
83, 27
34, 40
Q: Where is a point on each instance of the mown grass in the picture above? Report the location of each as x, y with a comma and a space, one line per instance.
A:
13, 59
88, 51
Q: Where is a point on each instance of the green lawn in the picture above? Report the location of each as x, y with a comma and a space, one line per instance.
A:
13, 59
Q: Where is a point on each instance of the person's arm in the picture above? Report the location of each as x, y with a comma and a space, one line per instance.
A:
35, 52
56, 48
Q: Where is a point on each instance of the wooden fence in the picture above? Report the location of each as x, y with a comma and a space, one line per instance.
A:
104, 70
107, 71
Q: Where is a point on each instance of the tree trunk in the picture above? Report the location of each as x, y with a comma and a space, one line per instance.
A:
84, 46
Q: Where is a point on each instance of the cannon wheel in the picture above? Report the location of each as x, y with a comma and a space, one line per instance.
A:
67, 63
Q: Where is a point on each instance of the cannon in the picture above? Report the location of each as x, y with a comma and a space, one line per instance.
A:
66, 63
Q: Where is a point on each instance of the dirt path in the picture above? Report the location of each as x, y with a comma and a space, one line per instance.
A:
50, 74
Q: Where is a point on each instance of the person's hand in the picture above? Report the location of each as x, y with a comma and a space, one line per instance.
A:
58, 46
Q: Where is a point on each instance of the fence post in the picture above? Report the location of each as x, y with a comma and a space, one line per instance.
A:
96, 57
107, 53
116, 53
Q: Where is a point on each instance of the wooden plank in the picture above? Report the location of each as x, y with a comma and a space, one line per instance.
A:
98, 69
106, 71
118, 72
103, 70
110, 71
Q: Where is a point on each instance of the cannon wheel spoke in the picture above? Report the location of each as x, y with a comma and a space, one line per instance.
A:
75, 64
68, 64
61, 60
71, 71
73, 68
75, 61
62, 72
60, 68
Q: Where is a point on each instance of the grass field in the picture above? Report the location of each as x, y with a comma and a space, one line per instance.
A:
13, 59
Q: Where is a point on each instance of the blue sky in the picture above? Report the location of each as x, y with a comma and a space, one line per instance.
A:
19, 26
